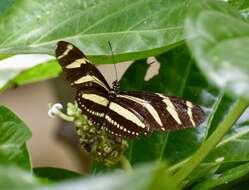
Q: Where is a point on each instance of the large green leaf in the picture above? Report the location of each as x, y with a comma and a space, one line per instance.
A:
232, 153
135, 28
55, 174
5, 5
23, 69
223, 178
27, 27
240, 4
221, 50
13, 135
13, 178
234, 145
241, 184
144, 177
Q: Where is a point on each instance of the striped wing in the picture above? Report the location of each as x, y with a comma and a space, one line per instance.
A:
79, 71
135, 113
92, 88
94, 105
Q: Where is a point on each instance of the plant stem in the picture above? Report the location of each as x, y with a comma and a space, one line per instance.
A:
178, 165
64, 116
125, 164
234, 114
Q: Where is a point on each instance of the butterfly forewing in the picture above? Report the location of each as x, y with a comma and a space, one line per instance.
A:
92, 88
79, 71
125, 114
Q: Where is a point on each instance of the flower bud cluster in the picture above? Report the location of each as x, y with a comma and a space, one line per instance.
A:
103, 147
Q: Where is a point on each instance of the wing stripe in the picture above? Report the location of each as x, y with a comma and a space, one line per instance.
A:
92, 112
171, 108
68, 49
96, 99
77, 63
145, 104
125, 112
95, 112
90, 78
190, 113
119, 126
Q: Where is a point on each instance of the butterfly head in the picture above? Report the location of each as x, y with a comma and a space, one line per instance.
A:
115, 86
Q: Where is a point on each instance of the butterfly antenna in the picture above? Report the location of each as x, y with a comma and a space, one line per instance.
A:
113, 60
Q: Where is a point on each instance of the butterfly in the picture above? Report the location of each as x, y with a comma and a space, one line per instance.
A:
122, 113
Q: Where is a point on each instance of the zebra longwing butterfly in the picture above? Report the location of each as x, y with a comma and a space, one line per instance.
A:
122, 113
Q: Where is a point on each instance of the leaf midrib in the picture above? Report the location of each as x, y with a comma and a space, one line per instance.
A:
109, 33
92, 25
233, 137
219, 42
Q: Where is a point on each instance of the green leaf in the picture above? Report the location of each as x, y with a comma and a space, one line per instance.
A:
13, 178
162, 179
89, 25
221, 50
5, 5
145, 177
55, 174
240, 4
241, 184
13, 135
233, 115
223, 178
157, 26
234, 145
23, 159
203, 171
23, 69
38, 73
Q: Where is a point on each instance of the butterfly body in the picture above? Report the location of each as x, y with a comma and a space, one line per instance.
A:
122, 113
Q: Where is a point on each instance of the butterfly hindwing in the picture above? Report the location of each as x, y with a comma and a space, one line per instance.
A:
122, 120
93, 104
159, 112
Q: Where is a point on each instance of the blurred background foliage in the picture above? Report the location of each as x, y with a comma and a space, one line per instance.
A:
202, 49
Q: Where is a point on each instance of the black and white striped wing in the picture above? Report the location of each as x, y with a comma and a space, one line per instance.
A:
79, 70
92, 88
130, 113
135, 113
